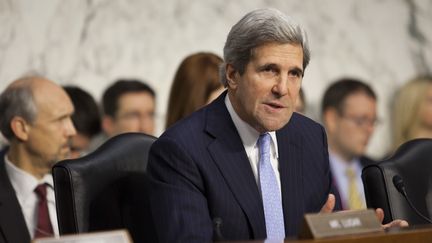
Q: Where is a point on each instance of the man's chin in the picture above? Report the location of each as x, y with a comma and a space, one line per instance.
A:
274, 125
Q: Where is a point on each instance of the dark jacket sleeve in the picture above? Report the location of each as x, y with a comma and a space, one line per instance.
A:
179, 206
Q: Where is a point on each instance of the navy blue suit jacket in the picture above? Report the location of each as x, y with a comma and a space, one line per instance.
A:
13, 227
200, 172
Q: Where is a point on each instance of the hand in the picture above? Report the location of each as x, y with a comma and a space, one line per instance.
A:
330, 204
395, 223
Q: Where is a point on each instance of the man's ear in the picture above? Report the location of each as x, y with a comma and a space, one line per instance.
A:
108, 125
231, 76
20, 128
330, 119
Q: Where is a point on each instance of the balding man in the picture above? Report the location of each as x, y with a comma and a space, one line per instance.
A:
36, 119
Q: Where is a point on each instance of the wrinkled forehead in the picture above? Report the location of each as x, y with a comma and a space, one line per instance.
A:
253, 51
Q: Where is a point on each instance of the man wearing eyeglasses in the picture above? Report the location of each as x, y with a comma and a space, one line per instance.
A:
128, 106
349, 115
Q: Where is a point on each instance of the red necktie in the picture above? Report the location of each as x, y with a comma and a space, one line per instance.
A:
43, 227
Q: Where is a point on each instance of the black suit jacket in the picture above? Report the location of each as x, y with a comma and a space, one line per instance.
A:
200, 172
13, 228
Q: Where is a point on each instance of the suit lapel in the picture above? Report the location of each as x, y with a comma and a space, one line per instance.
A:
12, 223
229, 154
291, 175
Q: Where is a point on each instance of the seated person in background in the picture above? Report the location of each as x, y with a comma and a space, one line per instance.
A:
196, 83
36, 119
128, 106
86, 119
349, 116
412, 111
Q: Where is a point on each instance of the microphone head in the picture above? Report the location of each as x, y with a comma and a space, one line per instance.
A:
399, 184
217, 221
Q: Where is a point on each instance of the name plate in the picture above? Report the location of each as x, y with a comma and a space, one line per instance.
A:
323, 225
118, 236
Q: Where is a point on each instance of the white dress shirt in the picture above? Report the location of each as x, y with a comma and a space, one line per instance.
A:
338, 169
249, 137
24, 185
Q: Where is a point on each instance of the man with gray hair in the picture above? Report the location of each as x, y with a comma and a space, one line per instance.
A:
36, 119
243, 161
245, 166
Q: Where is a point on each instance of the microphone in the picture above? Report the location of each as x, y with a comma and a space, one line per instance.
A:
217, 225
400, 186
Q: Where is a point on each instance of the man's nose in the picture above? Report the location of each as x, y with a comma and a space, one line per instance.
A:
70, 128
281, 86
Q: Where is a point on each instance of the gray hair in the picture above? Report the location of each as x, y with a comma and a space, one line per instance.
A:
16, 100
255, 29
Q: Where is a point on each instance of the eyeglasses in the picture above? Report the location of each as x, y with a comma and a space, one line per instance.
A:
362, 121
136, 116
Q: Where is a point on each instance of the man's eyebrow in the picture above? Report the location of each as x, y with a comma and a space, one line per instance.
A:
268, 64
300, 70
297, 68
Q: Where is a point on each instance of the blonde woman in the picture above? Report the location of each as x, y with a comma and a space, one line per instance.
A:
412, 111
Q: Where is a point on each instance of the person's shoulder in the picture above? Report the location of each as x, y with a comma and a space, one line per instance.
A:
189, 124
300, 121
196, 122
302, 128
185, 133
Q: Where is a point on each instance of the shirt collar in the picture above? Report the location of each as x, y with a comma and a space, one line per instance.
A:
23, 182
248, 134
339, 166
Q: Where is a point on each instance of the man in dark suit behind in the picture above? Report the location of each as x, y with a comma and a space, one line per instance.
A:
36, 119
349, 116
245, 166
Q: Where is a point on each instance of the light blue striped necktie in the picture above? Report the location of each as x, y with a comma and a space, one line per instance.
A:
270, 192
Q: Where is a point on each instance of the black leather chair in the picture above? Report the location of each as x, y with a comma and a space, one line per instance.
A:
107, 189
413, 163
